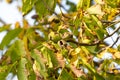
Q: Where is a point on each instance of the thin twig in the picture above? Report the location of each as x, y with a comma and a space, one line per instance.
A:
105, 21
63, 14
114, 22
115, 41
110, 45
62, 7
3, 22
109, 35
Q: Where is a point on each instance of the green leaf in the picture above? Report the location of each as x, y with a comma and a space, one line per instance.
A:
113, 3
40, 8
64, 52
72, 6
118, 47
98, 77
5, 70
65, 75
21, 69
93, 71
44, 7
39, 63
9, 37
32, 75
51, 4
84, 4
55, 37
100, 34
50, 56
5, 27
17, 50
92, 49
27, 5
89, 67
97, 21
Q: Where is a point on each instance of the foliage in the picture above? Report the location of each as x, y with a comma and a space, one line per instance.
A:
63, 46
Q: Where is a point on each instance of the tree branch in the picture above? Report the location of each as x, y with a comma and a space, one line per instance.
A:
115, 41
85, 44
114, 22
62, 7
3, 22
109, 35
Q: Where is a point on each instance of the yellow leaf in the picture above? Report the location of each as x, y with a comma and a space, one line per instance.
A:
35, 68
112, 14
74, 59
117, 55
111, 50
77, 50
86, 41
102, 54
100, 1
17, 25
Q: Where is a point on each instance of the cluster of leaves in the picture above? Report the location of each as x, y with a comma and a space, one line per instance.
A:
63, 46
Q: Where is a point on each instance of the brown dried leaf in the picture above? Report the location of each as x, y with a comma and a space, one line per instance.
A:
41, 56
61, 60
77, 72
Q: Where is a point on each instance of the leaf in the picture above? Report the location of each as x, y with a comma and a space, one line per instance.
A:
117, 55
98, 77
83, 4
112, 12
44, 7
9, 37
17, 50
51, 4
77, 21
72, 6
50, 56
113, 3
5, 70
97, 21
65, 75
118, 47
27, 5
39, 63
76, 71
6, 27
21, 69
92, 49
100, 34
91, 69
100, 1
32, 75
55, 37
95, 9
